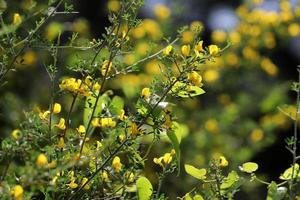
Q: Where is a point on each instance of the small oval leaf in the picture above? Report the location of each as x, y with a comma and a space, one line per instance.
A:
249, 167
144, 188
193, 171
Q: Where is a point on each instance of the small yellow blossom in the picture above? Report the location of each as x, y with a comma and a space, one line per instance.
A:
122, 115
44, 115
17, 192
56, 108
162, 12
199, 48
42, 160
98, 145
84, 180
294, 29
106, 67
213, 49
219, 36
73, 185
96, 86
223, 162
158, 161
88, 81
185, 50
17, 19
168, 50
129, 176
195, 78
146, 93
257, 135
134, 129
16, 134
81, 130
196, 26
61, 143
52, 164
167, 158
121, 137
104, 176
211, 75
96, 122
187, 37
116, 164
61, 124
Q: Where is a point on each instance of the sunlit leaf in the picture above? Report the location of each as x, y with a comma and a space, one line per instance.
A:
275, 192
288, 173
176, 145
144, 188
249, 167
230, 180
193, 171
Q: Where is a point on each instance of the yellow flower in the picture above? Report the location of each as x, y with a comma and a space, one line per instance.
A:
104, 176
257, 135
17, 19
56, 108
294, 29
218, 36
129, 176
223, 162
199, 48
121, 137
168, 50
44, 115
96, 86
122, 115
167, 158
73, 185
61, 124
84, 180
185, 50
134, 129
194, 78
107, 123
187, 37
213, 49
88, 81
99, 145
113, 5
158, 161
116, 164
196, 26
162, 12
146, 93
52, 164
269, 67
211, 75
81, 130
61, 143
212, 126
16, 134
96, 122
42, 160
106, 67
17, 192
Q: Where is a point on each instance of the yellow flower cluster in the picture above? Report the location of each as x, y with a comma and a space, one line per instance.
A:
104, 122
195, 78
165, 159
77, 86
17, 192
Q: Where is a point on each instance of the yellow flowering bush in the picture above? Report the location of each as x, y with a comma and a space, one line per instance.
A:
119, 116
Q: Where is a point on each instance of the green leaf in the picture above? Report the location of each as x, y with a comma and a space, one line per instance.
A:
275, 193
193, 171
144, 188
230, 180
191, 92
249, 167
198, 197
288, 173
176, 145
116, 105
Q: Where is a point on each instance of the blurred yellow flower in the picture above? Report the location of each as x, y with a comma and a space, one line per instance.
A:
213, 49
268, 66
84, 180
104, 176
187, 37
116, 164
42, 160
56, 108
17, 192
185, 50
162, 12
211, 75
195, 78
113, 5
72, 184
257, 135
61, 124
61, 143
44, 115
212, 126
17, 19
81, 129
196, 26
167, 158
107, 122
218, 36
294, 29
